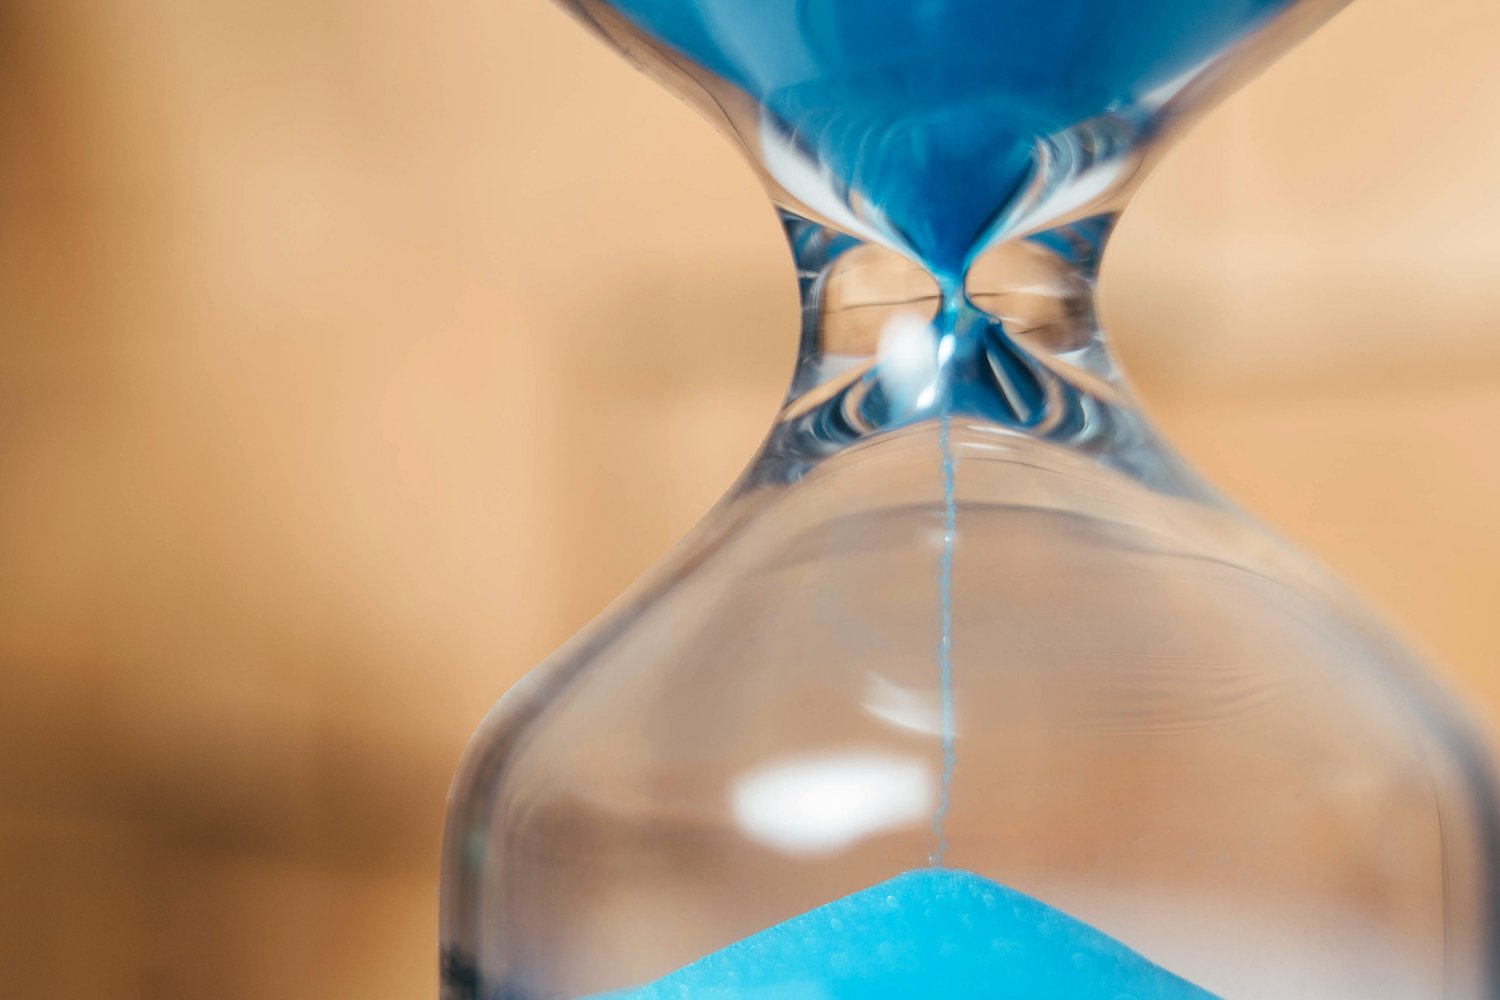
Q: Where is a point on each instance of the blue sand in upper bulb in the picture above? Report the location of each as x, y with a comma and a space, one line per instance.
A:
930, 933
929, 113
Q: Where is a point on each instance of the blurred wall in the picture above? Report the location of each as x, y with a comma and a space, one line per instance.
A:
354, 352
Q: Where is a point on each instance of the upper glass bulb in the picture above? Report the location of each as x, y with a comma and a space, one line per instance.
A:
940, 126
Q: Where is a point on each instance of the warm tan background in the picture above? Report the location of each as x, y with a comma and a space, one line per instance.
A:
354, 352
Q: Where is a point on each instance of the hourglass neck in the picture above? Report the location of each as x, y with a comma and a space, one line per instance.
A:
1014, 343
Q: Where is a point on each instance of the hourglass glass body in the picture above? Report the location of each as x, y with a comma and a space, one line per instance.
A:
968, 688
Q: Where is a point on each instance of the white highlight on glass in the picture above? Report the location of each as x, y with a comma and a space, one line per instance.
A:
908, 360
917, 711
811, 183
820, 805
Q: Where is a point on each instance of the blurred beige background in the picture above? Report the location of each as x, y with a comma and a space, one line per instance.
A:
355, 352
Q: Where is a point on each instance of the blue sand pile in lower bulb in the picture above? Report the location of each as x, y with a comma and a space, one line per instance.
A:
934, 932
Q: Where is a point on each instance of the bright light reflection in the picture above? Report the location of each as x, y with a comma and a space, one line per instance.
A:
920, 711
908, 355
819, 805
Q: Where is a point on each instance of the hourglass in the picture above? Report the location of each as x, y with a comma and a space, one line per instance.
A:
969, 688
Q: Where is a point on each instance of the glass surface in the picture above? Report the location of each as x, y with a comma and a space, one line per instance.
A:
968, 688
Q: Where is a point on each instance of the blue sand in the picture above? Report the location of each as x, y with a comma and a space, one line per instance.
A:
931, 933
931, 111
